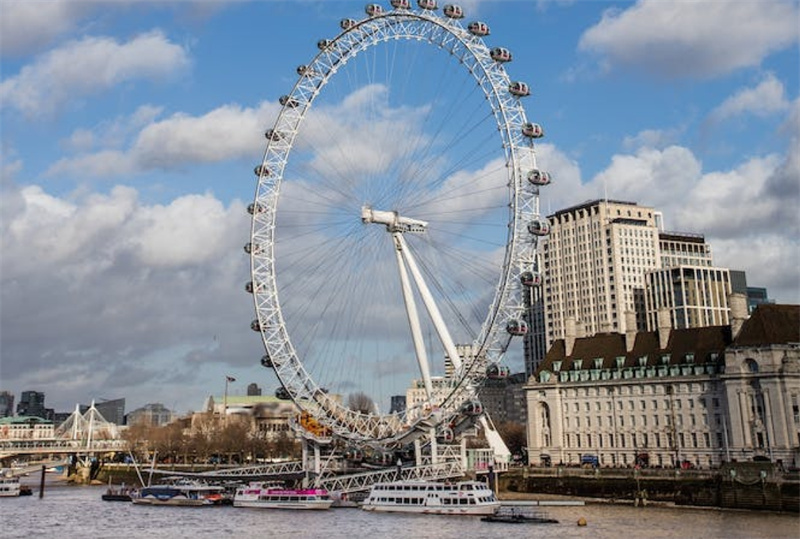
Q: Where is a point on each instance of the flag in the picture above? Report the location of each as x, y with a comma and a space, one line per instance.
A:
230, 378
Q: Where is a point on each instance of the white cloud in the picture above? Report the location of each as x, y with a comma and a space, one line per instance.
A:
703, 39
26, 26
227, 132
763, 100
90, 66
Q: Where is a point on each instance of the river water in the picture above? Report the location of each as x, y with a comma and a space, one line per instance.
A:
79, 512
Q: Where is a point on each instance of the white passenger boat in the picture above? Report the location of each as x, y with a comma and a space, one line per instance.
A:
190, 494
268, 496
9, 485
429, 497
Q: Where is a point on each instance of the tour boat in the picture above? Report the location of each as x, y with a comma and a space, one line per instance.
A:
9, 486
430, 497
266, 496
190, 494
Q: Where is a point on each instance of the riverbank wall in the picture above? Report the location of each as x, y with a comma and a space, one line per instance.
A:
754, 486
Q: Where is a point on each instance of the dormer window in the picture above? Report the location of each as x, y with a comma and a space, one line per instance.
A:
642, 361
665, 359
689, 358
598, 363
577, 364
619, 361
556, 366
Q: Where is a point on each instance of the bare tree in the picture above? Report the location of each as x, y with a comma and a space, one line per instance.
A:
360, 402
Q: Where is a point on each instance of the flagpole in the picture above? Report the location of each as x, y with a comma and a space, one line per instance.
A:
228, 379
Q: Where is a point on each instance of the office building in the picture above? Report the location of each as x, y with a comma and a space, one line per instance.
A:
6, 404
153, 415
672, 397
694, 296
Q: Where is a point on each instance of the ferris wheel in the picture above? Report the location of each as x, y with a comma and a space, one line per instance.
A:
395, 225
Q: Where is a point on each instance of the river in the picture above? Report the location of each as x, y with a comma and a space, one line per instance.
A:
79, 512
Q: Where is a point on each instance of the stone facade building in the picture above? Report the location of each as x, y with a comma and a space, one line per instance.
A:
693, 397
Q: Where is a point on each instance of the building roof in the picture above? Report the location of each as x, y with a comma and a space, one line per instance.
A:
771, 324
24, 419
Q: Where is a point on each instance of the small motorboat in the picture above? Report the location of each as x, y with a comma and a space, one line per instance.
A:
519, 516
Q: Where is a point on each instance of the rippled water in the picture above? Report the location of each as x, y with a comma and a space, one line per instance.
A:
68, 511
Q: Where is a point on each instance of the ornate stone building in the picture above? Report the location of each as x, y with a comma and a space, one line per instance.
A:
670, 397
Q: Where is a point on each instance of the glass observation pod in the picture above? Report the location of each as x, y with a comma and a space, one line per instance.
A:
430, 5
261, 170
323, 44
249, 287
532, 130
252, 248
530, 278
273, 135
266, 361
472, 408
255, 325
445, 435
347, 24
401, 4
519, 89
283, 394
255, 207
288, 101
303, 69
539, 177
453, 11
500, 54
373, 9
355, 454
539, 227
478, 28
496, 372
517, 327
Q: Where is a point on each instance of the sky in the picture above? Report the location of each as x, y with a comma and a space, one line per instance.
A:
130, 130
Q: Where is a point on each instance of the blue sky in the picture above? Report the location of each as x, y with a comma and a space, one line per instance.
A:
130, 129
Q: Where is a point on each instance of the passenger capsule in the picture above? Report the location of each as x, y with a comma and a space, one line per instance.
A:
500, 54
519, 89
252, 248
478, 28
273, 135
323, 44
530, 278
255, 325
249, 287
255, 207
472, 408
532, 130
517, 327
261, 170
283, 394
497, 372
445, 435
304, 70
401, 4
354, 454
453, 11
266, 361
373, 9
539, 227
429, 5
347, 24
288, 101
539, 177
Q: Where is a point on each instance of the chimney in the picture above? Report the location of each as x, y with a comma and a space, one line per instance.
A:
569, 336
630, 330
664, 327
738, 306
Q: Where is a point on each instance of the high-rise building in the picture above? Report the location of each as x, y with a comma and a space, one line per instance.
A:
594, 262
253, 390
154, 415
6, 404
694, 296
31, 403
112, 410
683, 249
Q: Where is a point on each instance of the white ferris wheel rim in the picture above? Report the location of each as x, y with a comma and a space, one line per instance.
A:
507, 304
